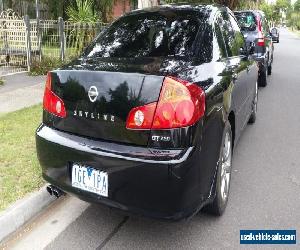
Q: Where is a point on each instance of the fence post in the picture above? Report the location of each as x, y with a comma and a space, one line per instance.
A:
38, 31
61, 38
28, 40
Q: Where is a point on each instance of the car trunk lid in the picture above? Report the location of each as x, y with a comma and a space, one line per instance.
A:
98, 102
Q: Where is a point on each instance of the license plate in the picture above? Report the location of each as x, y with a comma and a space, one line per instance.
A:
90, 179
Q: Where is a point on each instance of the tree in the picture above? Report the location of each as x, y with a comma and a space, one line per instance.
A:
297, 6
82, 11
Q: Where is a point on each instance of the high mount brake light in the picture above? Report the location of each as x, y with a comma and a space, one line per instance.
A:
180, 104
51, 102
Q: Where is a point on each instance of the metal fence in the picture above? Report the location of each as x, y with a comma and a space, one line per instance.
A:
65, 40
23, 41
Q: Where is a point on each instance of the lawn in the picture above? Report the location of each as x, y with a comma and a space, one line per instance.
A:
20, 172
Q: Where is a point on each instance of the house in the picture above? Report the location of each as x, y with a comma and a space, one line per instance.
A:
122, 6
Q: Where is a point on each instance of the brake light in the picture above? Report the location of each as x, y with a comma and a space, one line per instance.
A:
260, 40
51, 102
180, 104
141, 117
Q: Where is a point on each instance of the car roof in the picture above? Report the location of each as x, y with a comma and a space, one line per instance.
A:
207, 9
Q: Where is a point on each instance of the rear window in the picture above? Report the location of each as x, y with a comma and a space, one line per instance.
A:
148, 35
274, 31
246, 20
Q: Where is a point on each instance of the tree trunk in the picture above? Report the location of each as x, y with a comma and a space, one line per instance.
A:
10, 4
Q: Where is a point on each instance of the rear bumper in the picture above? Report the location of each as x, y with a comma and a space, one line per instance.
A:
156, 183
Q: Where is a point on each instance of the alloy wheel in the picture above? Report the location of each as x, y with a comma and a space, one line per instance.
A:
226, 167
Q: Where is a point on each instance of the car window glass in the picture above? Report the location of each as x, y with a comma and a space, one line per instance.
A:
222, 53
147, 35
233, 37
246, 20
266, 26
239, 39
227, 33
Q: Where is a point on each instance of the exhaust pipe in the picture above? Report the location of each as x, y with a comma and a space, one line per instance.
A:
52, 190
49, 189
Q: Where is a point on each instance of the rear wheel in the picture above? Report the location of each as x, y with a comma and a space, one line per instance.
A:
263, 81
252, 118
217, 207
270, 68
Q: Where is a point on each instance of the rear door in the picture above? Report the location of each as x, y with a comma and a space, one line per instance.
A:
238, 66
250, 75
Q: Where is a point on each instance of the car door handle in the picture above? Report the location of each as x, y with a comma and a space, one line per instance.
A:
234, 76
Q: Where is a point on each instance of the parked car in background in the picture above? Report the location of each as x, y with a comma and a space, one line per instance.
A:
275, 34
146, 119
255, 28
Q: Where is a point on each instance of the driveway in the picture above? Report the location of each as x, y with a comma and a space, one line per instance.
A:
20, 91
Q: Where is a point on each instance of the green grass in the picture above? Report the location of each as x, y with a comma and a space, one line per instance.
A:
55, 52
20, 172
1, 82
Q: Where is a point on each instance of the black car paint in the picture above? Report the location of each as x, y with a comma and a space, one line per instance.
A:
162, 179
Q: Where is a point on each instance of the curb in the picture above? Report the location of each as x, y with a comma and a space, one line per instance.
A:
22, 211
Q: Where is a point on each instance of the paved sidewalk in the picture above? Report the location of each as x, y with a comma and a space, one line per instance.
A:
20, 91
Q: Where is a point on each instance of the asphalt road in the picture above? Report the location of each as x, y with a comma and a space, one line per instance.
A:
265, 188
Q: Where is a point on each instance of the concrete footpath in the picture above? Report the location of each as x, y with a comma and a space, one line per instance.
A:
20, 91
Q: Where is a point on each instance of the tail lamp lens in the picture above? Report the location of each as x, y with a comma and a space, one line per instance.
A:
180, 104
51, 102
141, 117
260, 40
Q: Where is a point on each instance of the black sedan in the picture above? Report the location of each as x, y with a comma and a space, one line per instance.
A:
146, 119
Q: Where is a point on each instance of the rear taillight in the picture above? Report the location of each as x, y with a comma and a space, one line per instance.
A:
260, 40
51, 102
180, 104
141, 117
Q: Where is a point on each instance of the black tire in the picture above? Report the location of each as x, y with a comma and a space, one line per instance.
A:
270, 69
217, 207
252, 117
262, 79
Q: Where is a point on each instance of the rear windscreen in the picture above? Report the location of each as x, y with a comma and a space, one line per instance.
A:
274, 31
246, 20
147, 35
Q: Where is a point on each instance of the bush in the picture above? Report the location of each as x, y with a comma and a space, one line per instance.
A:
42, 67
